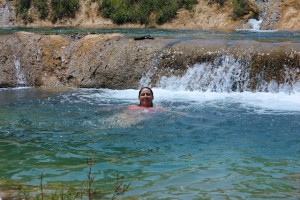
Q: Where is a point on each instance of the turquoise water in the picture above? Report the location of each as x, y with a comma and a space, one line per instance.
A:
202, 146
270, 36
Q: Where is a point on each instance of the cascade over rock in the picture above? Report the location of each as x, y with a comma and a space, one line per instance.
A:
7, 14
118, 62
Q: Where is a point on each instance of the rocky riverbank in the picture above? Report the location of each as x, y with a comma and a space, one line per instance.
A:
275, 15
118, 62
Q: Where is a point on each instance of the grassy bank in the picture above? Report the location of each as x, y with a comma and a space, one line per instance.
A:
119, 11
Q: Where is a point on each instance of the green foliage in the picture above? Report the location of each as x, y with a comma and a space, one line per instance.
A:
42, 7
64, 194
239, 8
70, 193
60, 8
23, 5
168, 11
22, 9
120, 11
64, 8
139, 11
187, 4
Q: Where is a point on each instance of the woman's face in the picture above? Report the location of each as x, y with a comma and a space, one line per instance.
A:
146, 98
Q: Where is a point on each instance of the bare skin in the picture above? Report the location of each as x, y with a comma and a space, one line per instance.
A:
146, 98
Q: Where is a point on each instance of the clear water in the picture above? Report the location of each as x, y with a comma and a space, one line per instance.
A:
258, 35
203, 146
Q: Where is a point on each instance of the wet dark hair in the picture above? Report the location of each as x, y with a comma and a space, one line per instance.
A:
150, 92
145, 88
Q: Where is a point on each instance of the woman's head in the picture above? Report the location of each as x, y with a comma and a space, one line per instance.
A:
146, 97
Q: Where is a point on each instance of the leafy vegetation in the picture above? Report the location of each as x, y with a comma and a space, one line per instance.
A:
22, 9
60, 8
84, 192
63, 8
238, 8
120, 11
42, 8
139, 11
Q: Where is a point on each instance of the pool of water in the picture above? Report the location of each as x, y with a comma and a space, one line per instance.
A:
202, 146
258, 35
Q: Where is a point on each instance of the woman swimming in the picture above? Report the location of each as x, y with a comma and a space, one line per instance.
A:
137, 113
146, 100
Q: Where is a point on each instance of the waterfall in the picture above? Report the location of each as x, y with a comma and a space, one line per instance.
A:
226, 74
21, 81
254, 24
5, 16
146, 79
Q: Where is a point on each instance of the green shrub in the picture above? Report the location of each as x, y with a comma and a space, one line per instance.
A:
139, 11
22, 7
239, 8
64, 8
42, 8
167, 12
120, 11
187, 4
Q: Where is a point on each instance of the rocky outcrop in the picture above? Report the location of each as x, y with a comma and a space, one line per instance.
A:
117, 62
7, 14
111, 61
280, 14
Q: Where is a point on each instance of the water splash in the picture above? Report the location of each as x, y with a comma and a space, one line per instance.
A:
21, 80
289, 85
226, 74
146, 79
4, 15
254, 24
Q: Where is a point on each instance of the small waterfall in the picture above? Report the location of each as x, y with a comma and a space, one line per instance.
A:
5, 16
21, 81
146, 79
226, 74
289, 85
254, 24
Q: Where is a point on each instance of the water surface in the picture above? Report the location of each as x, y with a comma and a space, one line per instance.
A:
205, 145
258, 35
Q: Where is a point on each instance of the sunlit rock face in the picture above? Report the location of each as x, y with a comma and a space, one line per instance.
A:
275, 15
118, 62
7, 14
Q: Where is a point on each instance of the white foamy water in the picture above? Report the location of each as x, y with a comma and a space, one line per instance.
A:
255, 24
21, 81
225, 74
261, 102
229, 75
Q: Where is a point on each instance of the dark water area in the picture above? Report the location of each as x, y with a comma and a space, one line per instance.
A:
266, 36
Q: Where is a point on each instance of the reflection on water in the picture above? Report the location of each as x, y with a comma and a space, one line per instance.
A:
212, 146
